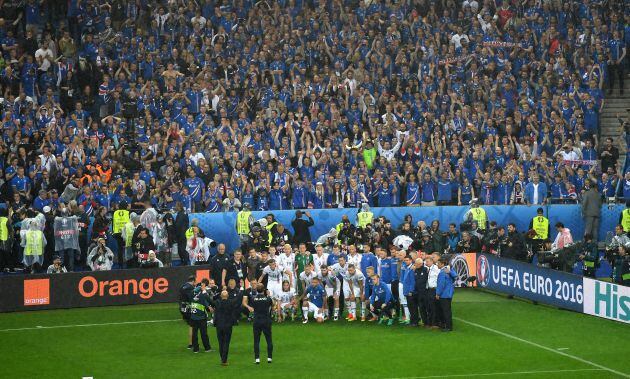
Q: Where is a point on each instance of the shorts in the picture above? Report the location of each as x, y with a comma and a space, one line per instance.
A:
346, 290
312, 308
274, 288
285, 305
401, 295
330, 292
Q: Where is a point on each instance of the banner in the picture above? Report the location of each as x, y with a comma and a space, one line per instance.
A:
465, 265
500, 44
607, 300
95, 289
531, 282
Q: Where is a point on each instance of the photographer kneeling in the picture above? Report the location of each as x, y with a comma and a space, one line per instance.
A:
100, 258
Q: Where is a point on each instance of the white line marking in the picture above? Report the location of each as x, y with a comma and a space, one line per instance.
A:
562, 348
543, 347
39, 327
501, 373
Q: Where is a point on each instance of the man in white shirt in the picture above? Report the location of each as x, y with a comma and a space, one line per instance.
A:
458, 37
319, 259
286, 261
434, 271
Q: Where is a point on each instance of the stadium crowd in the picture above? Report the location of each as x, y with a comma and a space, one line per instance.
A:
207, 106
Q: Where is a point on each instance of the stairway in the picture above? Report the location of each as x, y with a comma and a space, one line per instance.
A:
609, 125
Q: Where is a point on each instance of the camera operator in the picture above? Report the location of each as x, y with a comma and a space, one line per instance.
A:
347, 232
56, 267
428, 244
452, 237
589, 256
152, 261
468, 244
514, 245
280, 235
621, 266
620, 239
258, 239
100, 258
490, 241
328, 240
142, 245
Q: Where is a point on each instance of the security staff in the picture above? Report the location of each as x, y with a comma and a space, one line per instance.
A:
6, 241
223, 322
421, 274
540, 224
261, 306
624, 218
243, 220
475, 213
185, 298
120, 220
364, 217
199, 307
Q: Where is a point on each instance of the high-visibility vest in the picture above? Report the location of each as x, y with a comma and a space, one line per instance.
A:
34, 243
129, 229
479, 215
625, 220
364, 218
269, 227
541, 225
242, 222
4, 231
121, 218
190, 232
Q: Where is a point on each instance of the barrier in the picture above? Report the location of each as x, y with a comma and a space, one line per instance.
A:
531, 282
607, 300
221, 226
94, 289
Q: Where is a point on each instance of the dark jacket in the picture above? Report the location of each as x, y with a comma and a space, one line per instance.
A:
181, 225
514, 247
224, 312
421, 276
591, 203
217, 263
301, 231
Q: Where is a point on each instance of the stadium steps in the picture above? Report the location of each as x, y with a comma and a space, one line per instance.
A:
615, 104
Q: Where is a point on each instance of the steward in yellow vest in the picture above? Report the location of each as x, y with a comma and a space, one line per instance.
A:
243, 220
624, 218
33, 242
6, 233
475, 213
364, 217
540, 224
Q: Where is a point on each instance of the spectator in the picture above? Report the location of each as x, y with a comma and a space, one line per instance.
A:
536, 192
301, 228
591, 208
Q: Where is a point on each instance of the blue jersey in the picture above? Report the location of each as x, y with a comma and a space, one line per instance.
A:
385, 270
381, 294
413, 195
316, 295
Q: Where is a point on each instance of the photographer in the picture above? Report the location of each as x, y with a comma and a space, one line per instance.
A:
152, 261
100, 258
280, 235
258, 239
56, 267
329, 239
589, 256
468, 244
514, 245
347, 232
620, 239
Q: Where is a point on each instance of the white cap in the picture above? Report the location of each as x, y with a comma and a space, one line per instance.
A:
46, 209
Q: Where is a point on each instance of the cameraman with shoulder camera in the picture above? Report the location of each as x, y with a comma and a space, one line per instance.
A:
56, 267
468, 244
100, 258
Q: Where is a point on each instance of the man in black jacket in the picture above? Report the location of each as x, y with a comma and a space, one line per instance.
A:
261, 305
421, 274
223, 322
300, 228
217, 263
514, 245
181, 225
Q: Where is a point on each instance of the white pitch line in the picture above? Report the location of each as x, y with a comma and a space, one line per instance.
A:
562, 348
544, 347
39, 327
501, 373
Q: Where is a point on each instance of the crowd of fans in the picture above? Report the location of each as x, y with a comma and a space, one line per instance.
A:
315, 104
218, 105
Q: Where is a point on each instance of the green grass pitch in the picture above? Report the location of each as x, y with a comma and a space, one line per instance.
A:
493, 337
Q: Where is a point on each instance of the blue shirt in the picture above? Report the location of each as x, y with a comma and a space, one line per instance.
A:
381, 294
316, 295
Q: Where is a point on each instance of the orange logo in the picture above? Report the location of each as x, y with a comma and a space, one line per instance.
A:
36, 292
202, 274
